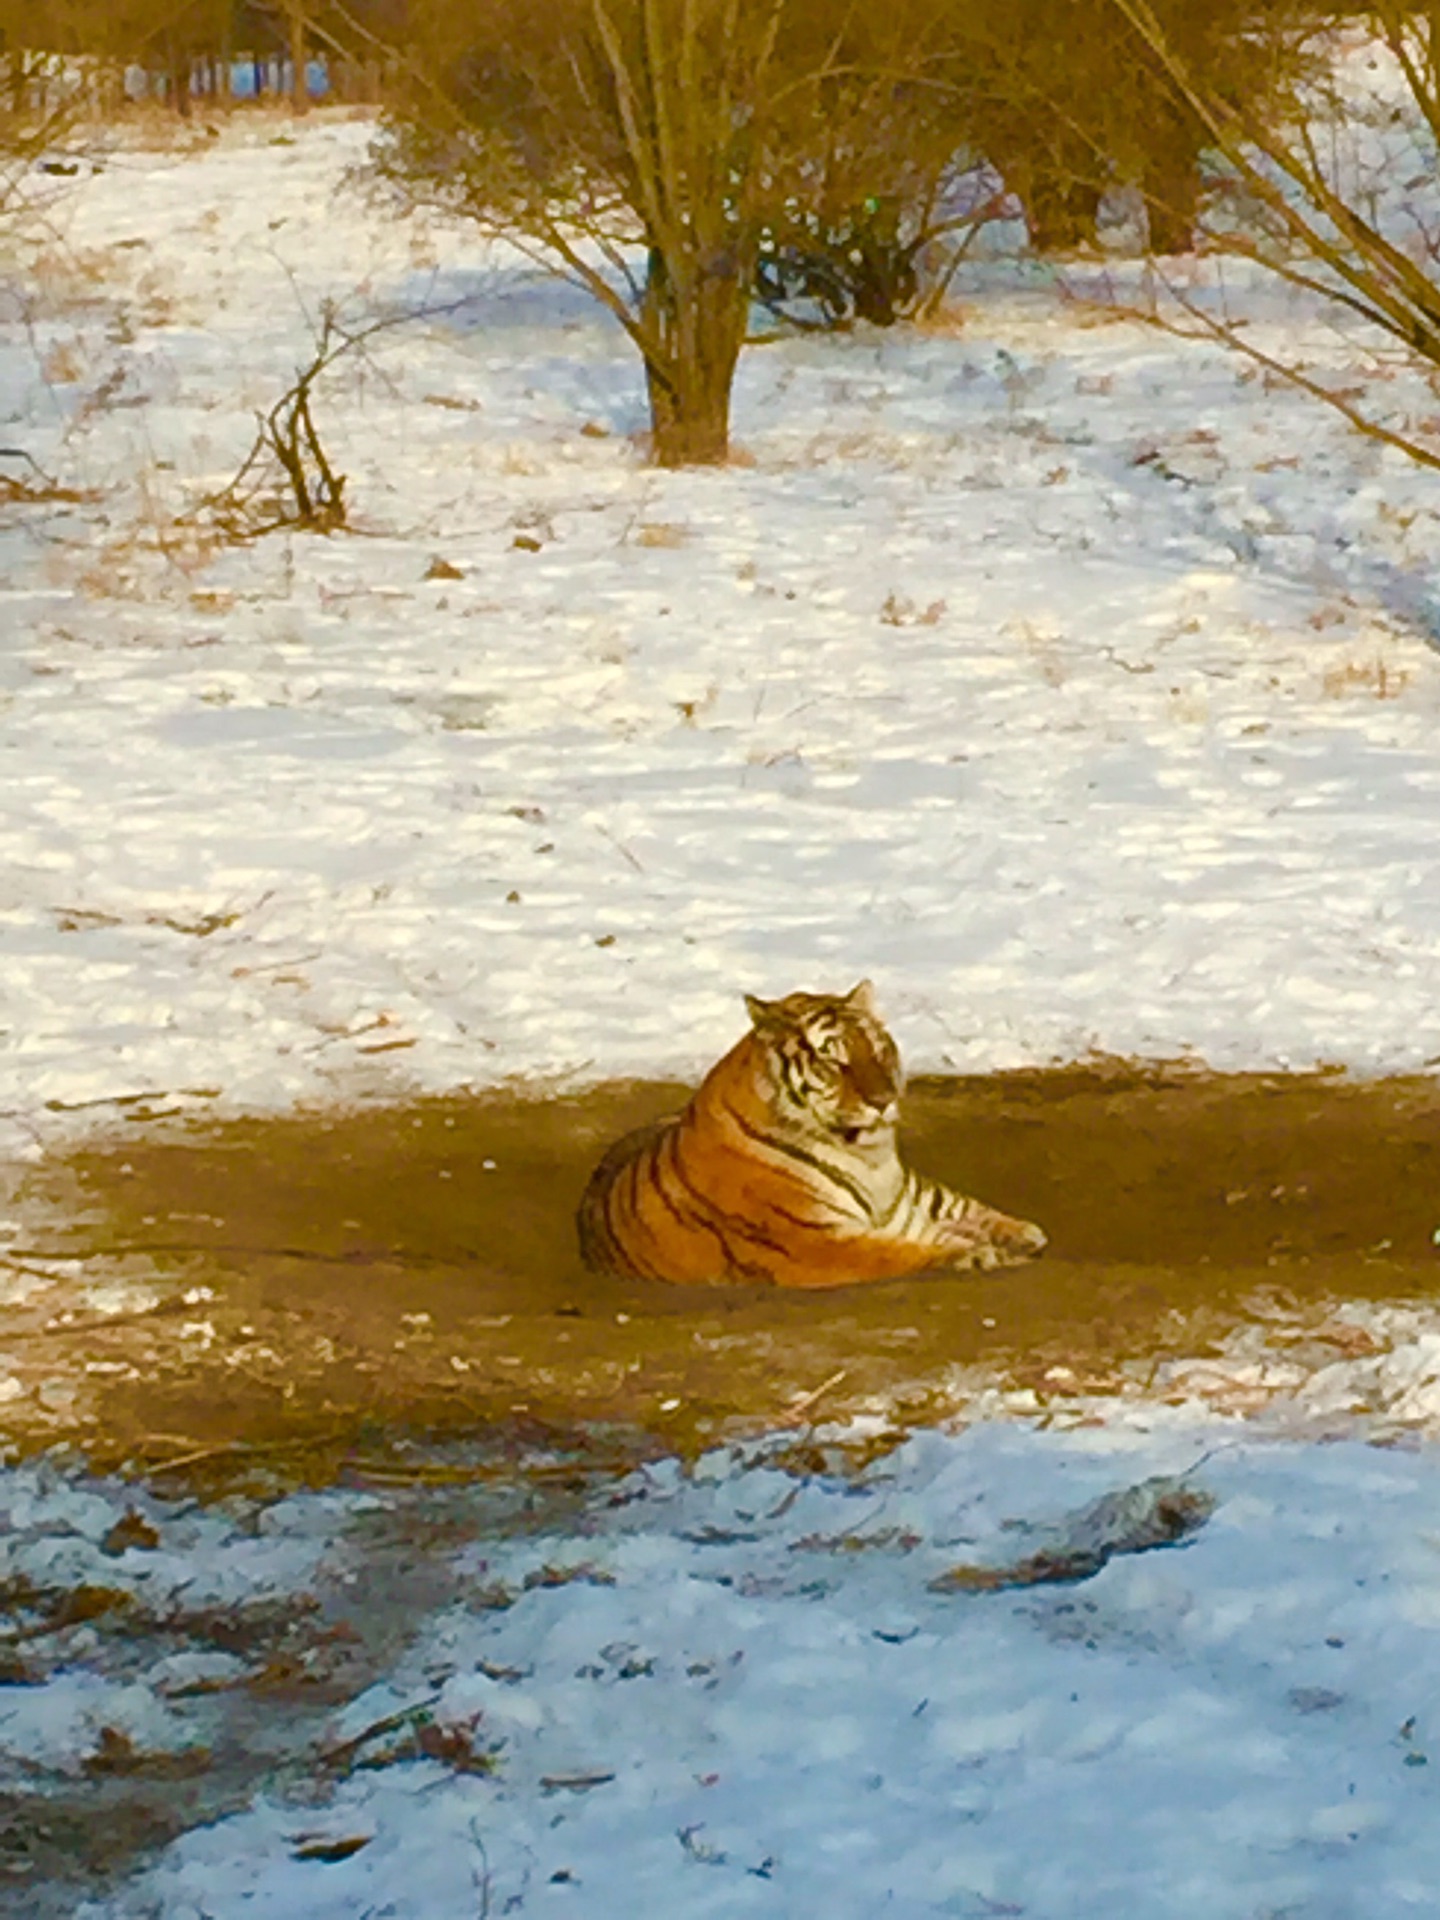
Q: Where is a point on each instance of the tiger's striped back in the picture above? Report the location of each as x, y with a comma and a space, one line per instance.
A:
783, 1169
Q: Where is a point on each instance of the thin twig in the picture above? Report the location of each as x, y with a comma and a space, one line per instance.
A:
248, 1449
102, 1323
147, 1249
797, 1409
1228, 334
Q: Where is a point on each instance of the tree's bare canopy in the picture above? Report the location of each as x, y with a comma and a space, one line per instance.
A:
649, 147
1332, 187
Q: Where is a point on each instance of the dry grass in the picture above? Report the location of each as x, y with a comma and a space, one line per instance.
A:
945, 321
1376, 678
62, 276
660, 533
40, 492
899, 610
63, 365
1045, 646
122, 567
1189, 706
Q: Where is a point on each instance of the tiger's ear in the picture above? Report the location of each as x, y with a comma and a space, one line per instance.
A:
862, 999
763, 1013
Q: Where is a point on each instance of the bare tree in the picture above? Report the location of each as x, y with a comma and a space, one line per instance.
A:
643, 148
1335, 195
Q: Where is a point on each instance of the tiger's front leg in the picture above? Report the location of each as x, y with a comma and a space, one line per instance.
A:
964, 1233
836, 1260
969, 1235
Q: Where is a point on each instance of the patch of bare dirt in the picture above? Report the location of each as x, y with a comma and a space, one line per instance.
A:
301, 1293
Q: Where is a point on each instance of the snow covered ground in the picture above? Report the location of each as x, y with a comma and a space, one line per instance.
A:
1077, 685
1073, 683
737, 1693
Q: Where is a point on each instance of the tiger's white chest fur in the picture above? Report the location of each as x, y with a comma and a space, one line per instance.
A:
863, 1178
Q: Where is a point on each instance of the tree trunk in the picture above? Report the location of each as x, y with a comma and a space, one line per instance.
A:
878, 265
1171, 204
694, 326
1050, 168
299, 78
177, 64
1060, 212
1170, 182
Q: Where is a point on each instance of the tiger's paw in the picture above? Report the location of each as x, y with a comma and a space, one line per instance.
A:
1018, 1239
1001, 1242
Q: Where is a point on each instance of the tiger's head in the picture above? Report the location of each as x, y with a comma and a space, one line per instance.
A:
835, 1070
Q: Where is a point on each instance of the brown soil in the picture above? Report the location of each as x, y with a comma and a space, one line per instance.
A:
372, 1274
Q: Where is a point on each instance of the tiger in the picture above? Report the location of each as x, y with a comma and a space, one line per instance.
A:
783, 1169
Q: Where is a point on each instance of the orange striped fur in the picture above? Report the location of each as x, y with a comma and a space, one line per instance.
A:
783, 1169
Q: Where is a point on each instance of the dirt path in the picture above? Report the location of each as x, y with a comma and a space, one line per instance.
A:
321, 1283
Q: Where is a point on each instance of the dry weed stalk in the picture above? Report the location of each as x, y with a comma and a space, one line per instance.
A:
287, 480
